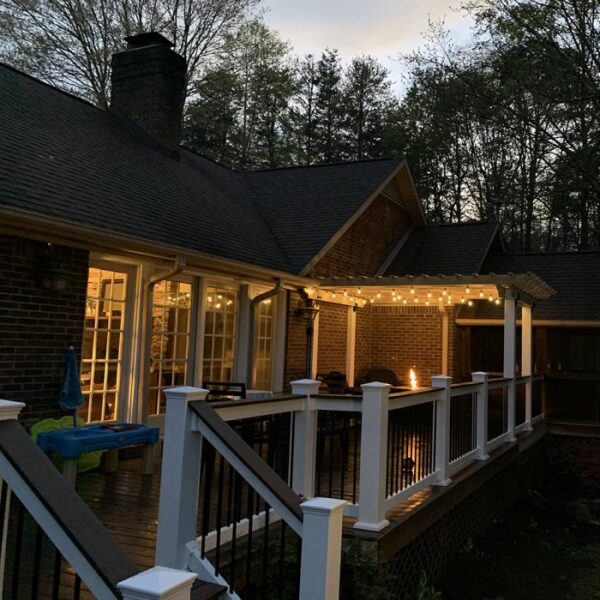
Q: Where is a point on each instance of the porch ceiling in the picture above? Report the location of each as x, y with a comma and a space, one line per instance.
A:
431, 290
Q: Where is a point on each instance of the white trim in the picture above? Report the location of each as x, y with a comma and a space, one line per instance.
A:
244, 338
535, 323
315, 348
278, 341
403, 495
445, 340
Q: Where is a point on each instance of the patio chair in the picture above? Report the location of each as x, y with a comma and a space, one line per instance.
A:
224, 390
336, 382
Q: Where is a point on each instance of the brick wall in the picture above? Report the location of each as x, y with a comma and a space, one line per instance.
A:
367, 243
333, 329
37, 325
295, 345
403, 337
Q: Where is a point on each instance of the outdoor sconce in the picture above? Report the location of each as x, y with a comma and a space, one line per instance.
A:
49, 274
308, 310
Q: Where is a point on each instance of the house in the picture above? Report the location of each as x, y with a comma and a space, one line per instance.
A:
147, 257
164, 269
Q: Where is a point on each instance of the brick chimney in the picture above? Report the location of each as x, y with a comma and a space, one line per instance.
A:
148, 87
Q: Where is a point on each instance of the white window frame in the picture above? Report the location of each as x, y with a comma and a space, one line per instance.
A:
127, 355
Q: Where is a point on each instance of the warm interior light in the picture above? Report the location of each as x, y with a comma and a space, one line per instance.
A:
413, 379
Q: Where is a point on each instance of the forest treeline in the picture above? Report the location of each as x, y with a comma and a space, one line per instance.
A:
504, 128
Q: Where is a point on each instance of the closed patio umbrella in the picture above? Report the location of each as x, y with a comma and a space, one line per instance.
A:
71, 397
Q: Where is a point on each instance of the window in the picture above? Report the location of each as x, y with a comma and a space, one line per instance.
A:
219, 334
102, 349
263, 345
170, 343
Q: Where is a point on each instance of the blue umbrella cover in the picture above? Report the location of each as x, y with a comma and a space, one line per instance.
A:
71, 397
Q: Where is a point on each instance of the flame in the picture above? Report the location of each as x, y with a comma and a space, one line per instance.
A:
413, 379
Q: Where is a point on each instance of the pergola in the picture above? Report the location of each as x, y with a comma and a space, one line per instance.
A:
444, 291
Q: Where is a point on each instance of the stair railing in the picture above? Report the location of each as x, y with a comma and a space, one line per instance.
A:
51, 543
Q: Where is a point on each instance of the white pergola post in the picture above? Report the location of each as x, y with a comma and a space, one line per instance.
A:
526, 339
321, 549
158, 583
350, 345
373, 456
442, 428
510, 346
482, 414
445, 339
178, 506
305, 439
314, 362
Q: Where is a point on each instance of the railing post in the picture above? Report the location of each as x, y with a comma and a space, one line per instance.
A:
373, 456
442, 428
178, 507
321, 549
8, 411
305, 439
158, 583
482, 414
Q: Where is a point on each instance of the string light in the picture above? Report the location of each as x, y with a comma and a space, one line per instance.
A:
440, 299
429, 294
416, 299
371, 300
427, 302
379, 294
393, 293
345, 292
333, 294
481, 293
404, 301
468, 290
444, 292
359, 291
412, 290
470, 303
491, 298
462, 299
497, 300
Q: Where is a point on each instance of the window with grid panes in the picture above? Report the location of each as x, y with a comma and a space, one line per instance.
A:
263, 344
219, 334
170, 342
102, 349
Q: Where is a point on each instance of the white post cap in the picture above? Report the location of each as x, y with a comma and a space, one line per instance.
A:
186, 392
441, 381
158, 583
305, 387
376, 385
10, 410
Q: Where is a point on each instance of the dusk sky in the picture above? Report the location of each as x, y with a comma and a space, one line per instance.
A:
382, 28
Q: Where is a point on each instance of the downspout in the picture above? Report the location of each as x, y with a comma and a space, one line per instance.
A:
251, 321
149, 284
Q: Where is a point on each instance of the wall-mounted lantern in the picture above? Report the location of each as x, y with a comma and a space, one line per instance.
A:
49, 274
308, 309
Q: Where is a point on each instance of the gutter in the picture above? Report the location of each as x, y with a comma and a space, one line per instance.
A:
252, 319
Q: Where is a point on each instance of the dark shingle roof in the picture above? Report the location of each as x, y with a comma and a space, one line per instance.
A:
61, 157
444, 250
306, 206
574, 275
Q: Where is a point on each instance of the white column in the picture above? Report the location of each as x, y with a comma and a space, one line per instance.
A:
8, 411
178, 507
321, 549
482, 414
442, 428
242, 369
373, 456
305, 439
526, 331
445, 340
315, 348
510, 346
158, 583
350, 345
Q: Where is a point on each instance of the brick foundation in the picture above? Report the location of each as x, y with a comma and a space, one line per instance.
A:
38, 325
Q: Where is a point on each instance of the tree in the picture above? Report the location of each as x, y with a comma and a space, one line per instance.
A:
253, 79
329, 109
69, 43
304, 119
367, 100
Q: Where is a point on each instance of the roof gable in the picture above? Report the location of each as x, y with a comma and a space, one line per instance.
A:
444, 250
